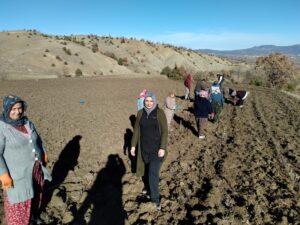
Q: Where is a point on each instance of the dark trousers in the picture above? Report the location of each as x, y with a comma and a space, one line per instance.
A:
151, 179
201, 125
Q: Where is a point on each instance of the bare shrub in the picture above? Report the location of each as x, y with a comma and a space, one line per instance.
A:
177, 73
110, 54
279, 69
256, 82
78, 73
58, 58
123, 61
67, 51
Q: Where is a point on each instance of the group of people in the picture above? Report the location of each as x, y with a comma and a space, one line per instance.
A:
149, 141
209, 102
23, 156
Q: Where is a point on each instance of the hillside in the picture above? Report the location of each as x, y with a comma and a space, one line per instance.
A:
30, 54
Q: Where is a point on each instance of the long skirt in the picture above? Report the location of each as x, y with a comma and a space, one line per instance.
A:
20, 213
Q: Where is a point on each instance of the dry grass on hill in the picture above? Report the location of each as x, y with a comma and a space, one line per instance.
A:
31, 54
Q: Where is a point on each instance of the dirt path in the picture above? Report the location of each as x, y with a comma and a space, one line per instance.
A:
246, 171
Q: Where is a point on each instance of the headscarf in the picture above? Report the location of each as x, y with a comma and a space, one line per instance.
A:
171, 93
154, 99
203, 94
8, 102
143, 93
232, 92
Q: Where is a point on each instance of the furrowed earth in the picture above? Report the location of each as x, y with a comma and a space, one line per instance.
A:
246, 170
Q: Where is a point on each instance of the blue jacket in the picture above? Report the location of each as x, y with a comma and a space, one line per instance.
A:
202, 107
217, 98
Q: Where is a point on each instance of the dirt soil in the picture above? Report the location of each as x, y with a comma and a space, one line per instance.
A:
246, 171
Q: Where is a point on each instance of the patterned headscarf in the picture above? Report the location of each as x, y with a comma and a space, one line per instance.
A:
154, 99
8, 102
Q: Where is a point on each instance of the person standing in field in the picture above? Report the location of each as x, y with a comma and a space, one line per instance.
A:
202, 110
217, 100
151, 136
221, 80
22, 163
187, 85
170, 107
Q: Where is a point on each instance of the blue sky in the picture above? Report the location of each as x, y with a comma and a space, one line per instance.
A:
196, 24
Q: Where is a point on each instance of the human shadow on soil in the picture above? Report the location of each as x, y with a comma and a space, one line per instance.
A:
180, 97
183, 98
190, 110
67, 161
185, 123
105, 196
127, 143
132, 119
202, 195
228, 101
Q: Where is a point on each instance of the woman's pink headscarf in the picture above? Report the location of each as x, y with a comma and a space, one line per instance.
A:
143, 93
204, 94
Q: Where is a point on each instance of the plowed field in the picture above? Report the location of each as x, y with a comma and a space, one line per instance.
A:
246, 170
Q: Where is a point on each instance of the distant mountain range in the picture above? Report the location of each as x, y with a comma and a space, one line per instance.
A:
292, 50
